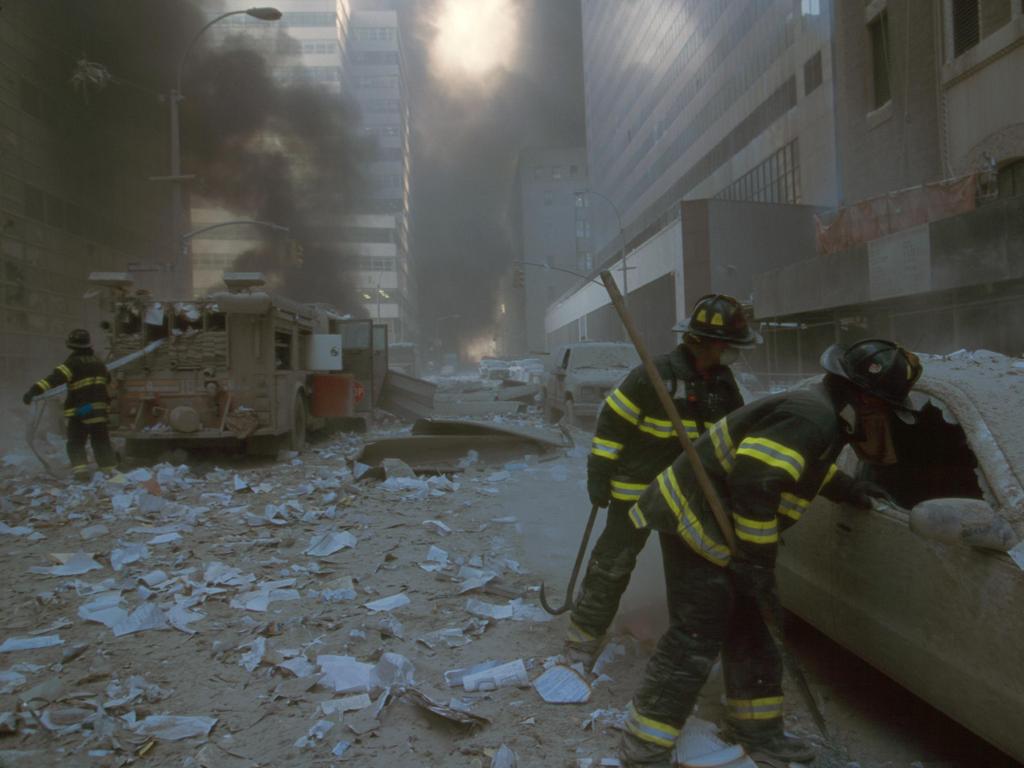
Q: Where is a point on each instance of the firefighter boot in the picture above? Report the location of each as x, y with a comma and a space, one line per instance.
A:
635, 752
581, 647
775, 743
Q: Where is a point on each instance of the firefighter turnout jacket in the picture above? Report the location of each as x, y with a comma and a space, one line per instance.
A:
635, 440
87, 380
767, 460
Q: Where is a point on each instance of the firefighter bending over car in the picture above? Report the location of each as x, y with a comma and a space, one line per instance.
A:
86, 404
635, 440
767, 461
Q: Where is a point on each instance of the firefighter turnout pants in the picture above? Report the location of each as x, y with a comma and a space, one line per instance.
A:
93, 430
611, 564
707, 617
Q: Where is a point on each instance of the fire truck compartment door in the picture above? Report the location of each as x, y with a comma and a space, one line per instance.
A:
325, 352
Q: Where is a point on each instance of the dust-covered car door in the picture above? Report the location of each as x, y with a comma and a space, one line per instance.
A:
941, 618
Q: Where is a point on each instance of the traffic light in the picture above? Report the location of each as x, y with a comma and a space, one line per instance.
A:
518, 276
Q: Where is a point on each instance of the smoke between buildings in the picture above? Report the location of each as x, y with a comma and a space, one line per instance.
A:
282, 153
466, 142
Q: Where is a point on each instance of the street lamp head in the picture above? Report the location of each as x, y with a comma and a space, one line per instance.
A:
266, 13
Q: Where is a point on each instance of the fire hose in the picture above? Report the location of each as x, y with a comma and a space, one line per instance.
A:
39, 401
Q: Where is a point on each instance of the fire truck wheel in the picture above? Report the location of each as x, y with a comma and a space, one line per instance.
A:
297, 436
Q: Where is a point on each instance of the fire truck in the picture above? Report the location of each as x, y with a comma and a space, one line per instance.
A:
241, 367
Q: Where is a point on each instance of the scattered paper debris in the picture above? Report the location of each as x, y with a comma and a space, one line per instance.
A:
12, 644
562, 685
69, 564
388, 603
324, 544
449, 713
501, 676
504, 758
175, 727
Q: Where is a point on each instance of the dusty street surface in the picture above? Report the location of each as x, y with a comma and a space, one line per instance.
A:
198, 615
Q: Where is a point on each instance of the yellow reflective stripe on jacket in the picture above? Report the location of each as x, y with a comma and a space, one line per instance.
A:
606, 449
623, 406
624, 491
688, 526
725, 452
773, 454
87, 382
65, 370
637, 517
43, 384
95, 420
756, 531
767, 708
792, 506
663, 428
662, 734
828, 476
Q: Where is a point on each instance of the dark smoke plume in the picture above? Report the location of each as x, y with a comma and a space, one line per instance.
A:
466, 145
284, 154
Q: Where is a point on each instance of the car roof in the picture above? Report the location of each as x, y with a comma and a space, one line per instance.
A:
985, 391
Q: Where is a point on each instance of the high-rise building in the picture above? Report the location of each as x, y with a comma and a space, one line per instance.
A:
726, 101
74, 189
377, 231
306, 47
552, 220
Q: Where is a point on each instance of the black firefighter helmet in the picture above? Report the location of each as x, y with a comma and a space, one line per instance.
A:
879, 367
720, 317
78, 339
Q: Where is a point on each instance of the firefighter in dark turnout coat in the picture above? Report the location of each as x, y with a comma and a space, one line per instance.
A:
634, 440
767, 461
85, 405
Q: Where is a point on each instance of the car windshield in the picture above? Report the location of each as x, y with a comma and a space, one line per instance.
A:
604, 356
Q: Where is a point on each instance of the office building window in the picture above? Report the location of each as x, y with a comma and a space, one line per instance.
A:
776, 180
966, 27
878, 31
556, 172
812, 73
810, 7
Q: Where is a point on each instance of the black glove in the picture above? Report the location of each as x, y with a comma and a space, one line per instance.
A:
27, 397
752, 580
599, 488
862, 492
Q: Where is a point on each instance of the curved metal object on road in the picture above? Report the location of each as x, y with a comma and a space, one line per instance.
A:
569, 603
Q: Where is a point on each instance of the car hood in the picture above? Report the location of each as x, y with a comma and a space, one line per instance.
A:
599, 377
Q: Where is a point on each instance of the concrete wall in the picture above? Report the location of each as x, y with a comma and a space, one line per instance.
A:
976, 248
897, 145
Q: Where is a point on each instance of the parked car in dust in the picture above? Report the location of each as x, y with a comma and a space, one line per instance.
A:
491, 368
528, 370
581, 377
924, 589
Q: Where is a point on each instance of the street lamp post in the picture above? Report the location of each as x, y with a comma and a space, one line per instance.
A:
183, 276
622, 239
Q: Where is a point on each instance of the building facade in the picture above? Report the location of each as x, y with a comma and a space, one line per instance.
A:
930, 119
378, 229
66, 208
699, 100
551, 218
306, 47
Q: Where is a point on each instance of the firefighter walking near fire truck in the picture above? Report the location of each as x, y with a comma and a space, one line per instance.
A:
767, 461
635, 440
86, 404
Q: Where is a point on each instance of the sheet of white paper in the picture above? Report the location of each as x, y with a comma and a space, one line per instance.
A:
146, 617
104, 609
180, 617
74, 564
562, 685
132, 553
254, 656
488, 610
175, 727
300, 666
346, 704
324, 544
30, 643
388, 603
344, 674
165, 538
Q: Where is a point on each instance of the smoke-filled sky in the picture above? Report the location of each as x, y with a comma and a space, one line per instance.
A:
487, 79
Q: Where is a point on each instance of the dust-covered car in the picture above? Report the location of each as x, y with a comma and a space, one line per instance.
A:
582, 376
924, 589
